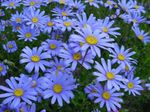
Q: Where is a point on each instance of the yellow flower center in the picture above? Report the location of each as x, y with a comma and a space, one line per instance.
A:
12, 4
21, 110
85, 26
1, 68
121, 57
57, 88
18, 20
64, 14
59, 67
28, 35
105, 29
141, 37
110, 75
67, 24
77, 56
10, 46
35, 19
106, 95
50, 24
109, 2
136, 7
130, 85
6, 110
62, 1
53, 46
126, 68
134, 20
91, 0
94, 91
18, 92
35, 58
91, 40
32, 3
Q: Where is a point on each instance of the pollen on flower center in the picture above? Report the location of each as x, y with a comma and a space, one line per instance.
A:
57, 88
52, 46
64, 14
21, 110
35, 19
136, 7
141, 37
81, 44
62, 1
18, 19
109, 2
10, 46
106, 95
67, 24
110, 75
91, 40
130, 85
77, 56
32, 3
28, 35
35, 58
91, 0
59, 67
50, 24
121, 57
105, 29
12, 4
134, 20
1, 68
18, 92
126, 68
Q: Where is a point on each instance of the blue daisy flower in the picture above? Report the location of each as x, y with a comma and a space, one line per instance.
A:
133, 85
74, 58
32, 4
11, 4
94, 3
17, 92
53, 47
3, 69
122, 56
18, 18
10, 47
28, 34
108, 97
106, 72
35, 59
34, 18
140, 34
60, 88
92, 40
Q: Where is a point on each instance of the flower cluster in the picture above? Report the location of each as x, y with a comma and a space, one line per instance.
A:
55, 44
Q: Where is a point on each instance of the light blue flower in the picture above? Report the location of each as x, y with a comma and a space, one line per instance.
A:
10, 47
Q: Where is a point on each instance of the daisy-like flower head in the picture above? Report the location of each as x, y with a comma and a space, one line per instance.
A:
106, 72
110, 4
94, 3
11, 4
105, 27
63, 2
58, 66
65, 24
133, 85
59, 88
49, 25
140, 34
53, 47
2, 13
18, 18
3, 69
10, 47
92, 40
34, 18
125, 5
77, 5
16, 26
74, 58
83, 21
35, 59
28, 34
90, 89
17, 92
108, 97
122, 56
23, 107
32, 4
6, 108
62, 12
